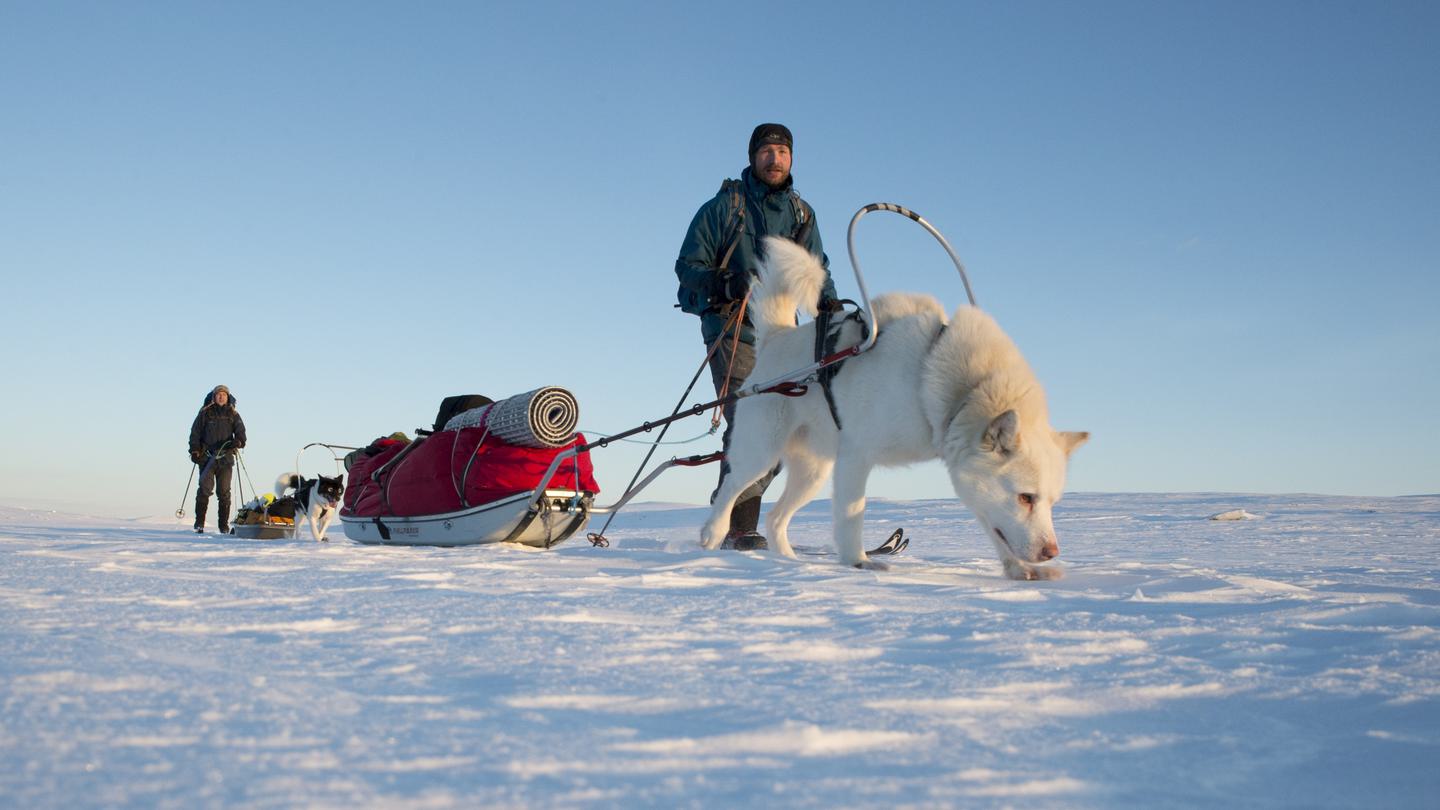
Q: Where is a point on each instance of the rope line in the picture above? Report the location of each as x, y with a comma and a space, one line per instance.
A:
733, 322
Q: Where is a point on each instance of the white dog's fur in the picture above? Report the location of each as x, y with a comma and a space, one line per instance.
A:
319, 498
959, 391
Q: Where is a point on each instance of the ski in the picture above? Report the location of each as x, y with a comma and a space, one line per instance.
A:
894, 544
897, 542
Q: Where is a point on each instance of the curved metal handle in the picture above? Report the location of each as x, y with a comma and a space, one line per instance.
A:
331, 447
855, 263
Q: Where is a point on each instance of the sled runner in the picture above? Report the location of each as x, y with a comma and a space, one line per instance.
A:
552, 519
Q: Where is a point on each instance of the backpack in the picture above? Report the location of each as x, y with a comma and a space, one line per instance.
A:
450, 406
693, 303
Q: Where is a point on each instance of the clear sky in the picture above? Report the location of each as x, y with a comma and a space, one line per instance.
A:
1211, 227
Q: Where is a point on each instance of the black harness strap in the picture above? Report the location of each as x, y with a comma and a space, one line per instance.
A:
803, 222
826, 338
737, 214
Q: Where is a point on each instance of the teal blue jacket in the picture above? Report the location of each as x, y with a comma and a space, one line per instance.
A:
768, 212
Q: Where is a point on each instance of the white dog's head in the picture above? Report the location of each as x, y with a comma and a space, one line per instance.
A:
1011, 476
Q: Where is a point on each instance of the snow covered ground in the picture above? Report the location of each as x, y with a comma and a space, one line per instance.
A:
1290, 658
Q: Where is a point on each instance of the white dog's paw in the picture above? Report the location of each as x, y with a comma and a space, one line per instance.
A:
1047, 572
1015, 569
872, 565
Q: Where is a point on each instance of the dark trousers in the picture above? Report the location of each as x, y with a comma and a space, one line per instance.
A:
745, 515
216, 479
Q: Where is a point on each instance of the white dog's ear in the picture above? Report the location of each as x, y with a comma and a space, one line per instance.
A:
1069, 440
1003, 435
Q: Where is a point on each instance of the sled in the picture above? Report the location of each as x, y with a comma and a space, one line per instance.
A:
467, 482
541, 518
277, 530
266, 517
254, 520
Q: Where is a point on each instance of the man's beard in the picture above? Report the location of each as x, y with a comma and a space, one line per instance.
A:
764, 177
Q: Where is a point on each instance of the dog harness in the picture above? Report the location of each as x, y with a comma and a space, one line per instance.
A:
827, 337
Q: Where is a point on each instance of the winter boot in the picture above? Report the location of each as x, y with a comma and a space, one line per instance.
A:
744, 517
202, 503
745, 541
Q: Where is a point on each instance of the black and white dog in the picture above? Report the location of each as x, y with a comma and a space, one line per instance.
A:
319, 498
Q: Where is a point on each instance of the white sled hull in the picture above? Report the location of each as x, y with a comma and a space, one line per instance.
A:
555, 519
264, 531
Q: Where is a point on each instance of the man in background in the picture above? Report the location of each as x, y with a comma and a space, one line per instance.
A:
216, 435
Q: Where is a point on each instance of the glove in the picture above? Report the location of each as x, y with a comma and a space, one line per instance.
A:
831, 305
734, 285
197, 455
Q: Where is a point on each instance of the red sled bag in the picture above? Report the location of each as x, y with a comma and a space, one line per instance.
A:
457, 469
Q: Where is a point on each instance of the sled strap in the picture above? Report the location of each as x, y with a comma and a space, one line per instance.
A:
582, 515
389, 467
734, 243
524, 522
379, 527
738, 318
697, 461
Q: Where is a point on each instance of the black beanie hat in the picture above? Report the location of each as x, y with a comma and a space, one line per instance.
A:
770, 133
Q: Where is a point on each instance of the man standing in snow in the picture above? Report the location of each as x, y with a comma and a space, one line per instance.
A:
216, 435
717, 264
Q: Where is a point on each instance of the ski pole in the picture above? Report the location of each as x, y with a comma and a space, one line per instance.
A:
180, 513
661, 437
733, 322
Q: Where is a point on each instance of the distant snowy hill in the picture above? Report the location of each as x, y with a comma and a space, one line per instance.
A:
1290, 659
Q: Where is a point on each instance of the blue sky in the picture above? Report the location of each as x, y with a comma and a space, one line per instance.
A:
1211, 227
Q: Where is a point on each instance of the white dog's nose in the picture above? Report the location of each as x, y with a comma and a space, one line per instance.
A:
1050, 551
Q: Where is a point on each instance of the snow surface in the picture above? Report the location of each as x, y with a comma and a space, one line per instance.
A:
1291, 660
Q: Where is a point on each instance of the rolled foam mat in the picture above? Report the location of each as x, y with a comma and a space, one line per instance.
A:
545, 417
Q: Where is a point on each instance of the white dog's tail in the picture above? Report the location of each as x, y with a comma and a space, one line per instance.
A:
284, 482
790, 280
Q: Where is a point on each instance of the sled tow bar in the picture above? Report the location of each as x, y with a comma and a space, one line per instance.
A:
860, 279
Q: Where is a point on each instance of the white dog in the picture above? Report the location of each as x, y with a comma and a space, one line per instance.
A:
317, 498
959, 391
